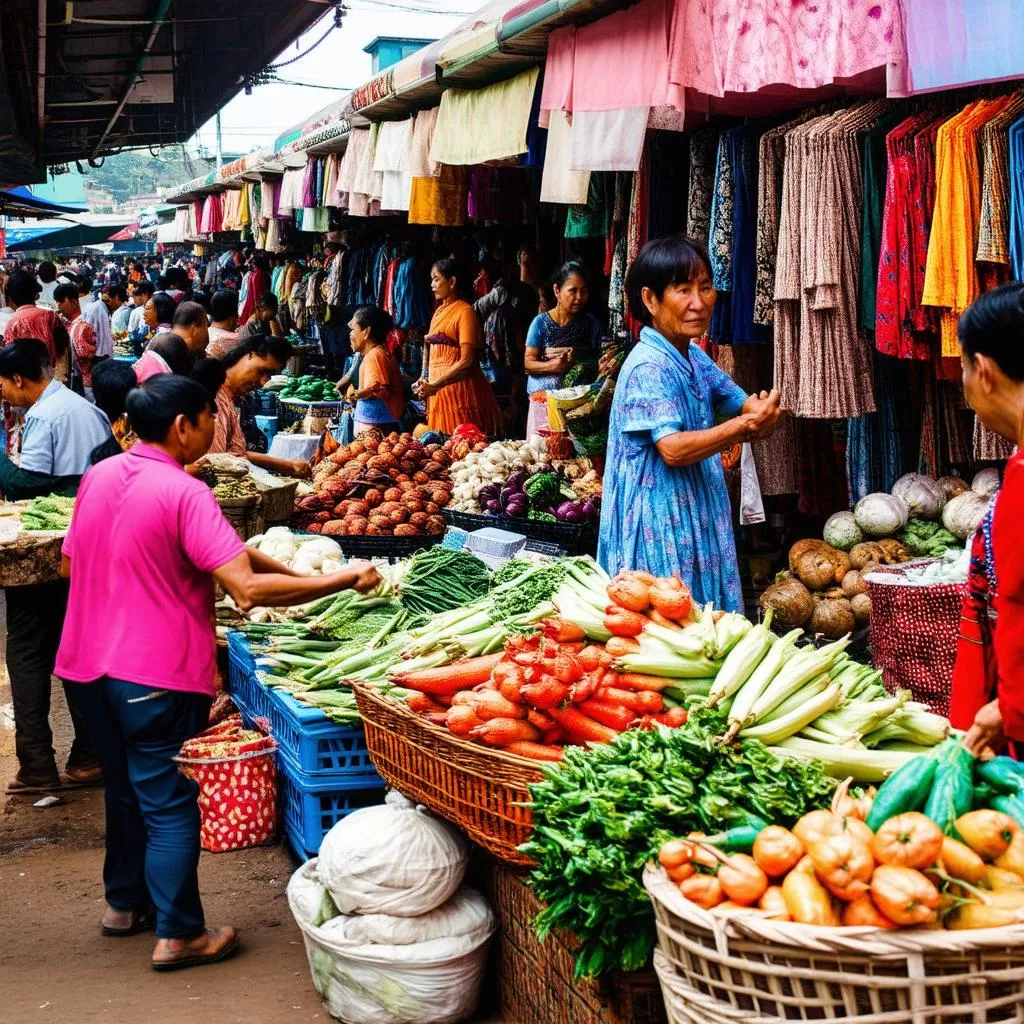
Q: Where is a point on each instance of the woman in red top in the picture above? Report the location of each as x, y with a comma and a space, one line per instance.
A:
990, 662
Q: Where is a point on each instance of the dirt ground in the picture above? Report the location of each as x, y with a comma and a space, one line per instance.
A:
57, 968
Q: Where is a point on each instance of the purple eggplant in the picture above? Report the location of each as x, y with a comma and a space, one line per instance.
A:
517, 479
570, 512
517, 506
591, 508
493, 505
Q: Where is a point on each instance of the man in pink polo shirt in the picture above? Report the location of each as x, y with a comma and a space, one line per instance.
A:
146, 541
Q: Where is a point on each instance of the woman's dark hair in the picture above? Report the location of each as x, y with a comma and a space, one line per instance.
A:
174, 351
993, 326
224, 304
111, 382
376, 319
144, 288
117, 291
66, 292
47, 272
259, 345
211, 373
268, 300
23, 288
162, 282
573, 268
25, 357
155, 405
164, 306
661, 262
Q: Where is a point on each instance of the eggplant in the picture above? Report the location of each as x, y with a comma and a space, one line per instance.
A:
570, 512
517, 479
493, 505
591, 508
488, 492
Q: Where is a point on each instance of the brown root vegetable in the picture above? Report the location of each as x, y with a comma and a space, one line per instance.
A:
832, 618
860, 605
834, 592
841, 560
853, 584
802, 547
790, 601
861, 554
815, 569
869, 568
893, 551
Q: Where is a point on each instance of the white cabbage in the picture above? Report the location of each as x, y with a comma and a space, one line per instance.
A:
922, 494
881, 514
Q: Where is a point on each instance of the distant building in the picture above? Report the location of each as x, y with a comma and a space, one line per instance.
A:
388, 50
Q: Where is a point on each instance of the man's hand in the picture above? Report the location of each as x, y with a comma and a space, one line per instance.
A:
984, 739
366, 576
301, 469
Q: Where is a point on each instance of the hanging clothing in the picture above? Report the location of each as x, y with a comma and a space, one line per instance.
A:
470, 400
477, 125
269, 198
654, 517
559, 182
594, 219
720, 238
423, 125
994, 226
556, 91
368, 182
703, 153
608, 140
744, 46
412, 298
290, 198
213, 215
441, 200
951, 276
392, 160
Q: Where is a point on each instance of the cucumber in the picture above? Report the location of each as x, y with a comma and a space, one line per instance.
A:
939, 805
905, 790
1003, 774
740, 838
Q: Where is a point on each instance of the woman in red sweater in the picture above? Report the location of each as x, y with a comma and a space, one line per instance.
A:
988, 681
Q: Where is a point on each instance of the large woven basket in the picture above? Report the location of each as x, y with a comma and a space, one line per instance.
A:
32, 557
535, 979
278, 500
245, 515
481, 791
717, 969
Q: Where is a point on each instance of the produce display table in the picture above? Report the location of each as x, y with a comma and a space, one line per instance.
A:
30, 558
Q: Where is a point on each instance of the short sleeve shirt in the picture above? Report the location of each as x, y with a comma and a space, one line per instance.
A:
227, 432
144, 538
61, 430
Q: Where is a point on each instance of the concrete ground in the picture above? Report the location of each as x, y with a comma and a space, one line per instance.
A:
56, 968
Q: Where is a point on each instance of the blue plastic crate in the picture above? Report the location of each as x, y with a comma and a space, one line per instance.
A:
317, 745
313, 805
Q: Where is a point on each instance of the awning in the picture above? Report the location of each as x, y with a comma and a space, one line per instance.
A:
72, 237
20, 202
126, 234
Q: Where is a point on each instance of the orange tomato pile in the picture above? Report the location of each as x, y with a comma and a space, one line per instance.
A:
830, 869
638, 598
542, 692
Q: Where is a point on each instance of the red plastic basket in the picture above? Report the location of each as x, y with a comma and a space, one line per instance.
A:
914, 632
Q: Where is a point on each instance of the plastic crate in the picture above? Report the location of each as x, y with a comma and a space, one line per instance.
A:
313, 805
248, 693
576, 538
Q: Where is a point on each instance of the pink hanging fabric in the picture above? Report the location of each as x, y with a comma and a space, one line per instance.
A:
557, 91
213, 215
720, 46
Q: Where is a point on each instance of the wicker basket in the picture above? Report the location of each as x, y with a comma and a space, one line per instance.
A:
745, 968
245, 515
535, 979
278, 500
481, 791
32, 557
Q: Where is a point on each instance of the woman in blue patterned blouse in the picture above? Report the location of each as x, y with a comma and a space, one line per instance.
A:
665, 507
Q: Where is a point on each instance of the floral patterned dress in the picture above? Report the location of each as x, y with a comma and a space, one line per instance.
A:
655, 517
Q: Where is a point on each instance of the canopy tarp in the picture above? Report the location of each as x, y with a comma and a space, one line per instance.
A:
72, 237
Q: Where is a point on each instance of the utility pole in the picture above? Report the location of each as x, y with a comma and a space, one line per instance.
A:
220, 151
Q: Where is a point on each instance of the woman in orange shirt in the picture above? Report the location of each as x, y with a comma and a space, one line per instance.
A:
379, 397
455, 389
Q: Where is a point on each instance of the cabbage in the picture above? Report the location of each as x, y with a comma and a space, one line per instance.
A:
921, 494
986, 482
953, 485
881, 514
964, 514
842, 531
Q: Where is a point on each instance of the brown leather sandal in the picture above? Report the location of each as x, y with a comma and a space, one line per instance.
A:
218, 944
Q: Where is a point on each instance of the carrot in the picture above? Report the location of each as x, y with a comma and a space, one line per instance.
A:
500, 732
591, 657
538, 751
572, 647
489, 704
561, 630
615, 716
508, 679
620, 645
585, 688
673, 718
661, 620
462, 719
545, 694
438, 717
636, 681
421, 703
568, 669
540, 719
581, 729
462, 675
643, 702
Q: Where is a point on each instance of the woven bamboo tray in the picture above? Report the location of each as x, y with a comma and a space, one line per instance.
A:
718, 969
535, 979
481, 791
31, 558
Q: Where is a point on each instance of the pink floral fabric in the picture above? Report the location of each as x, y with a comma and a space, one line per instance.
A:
720, 46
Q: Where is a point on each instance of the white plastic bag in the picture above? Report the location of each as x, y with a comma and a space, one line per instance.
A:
751, 505
434, 981
396, 859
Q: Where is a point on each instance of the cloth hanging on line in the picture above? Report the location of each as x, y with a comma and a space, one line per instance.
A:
559, 182
392, 160
423, 125
291, 191
367, 181
746, 45
703, 152
269, 198
608, 140
358, 140
213, 215
994, 228
478, 125
952, 43
442, 200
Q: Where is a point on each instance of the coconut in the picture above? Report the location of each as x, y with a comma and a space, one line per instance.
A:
801, 547
816, 569
832, 618
861, 554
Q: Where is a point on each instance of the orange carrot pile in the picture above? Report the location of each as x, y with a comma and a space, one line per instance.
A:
541, 693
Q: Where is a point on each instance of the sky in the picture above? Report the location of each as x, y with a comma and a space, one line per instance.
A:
248, 122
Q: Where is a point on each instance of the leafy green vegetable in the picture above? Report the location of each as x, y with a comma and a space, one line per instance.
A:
543, 489
540, 517
602, 813
924, 538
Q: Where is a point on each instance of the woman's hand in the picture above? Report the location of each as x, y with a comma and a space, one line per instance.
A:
985, 739
563, 361
366, 576
763, 413
424, 389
